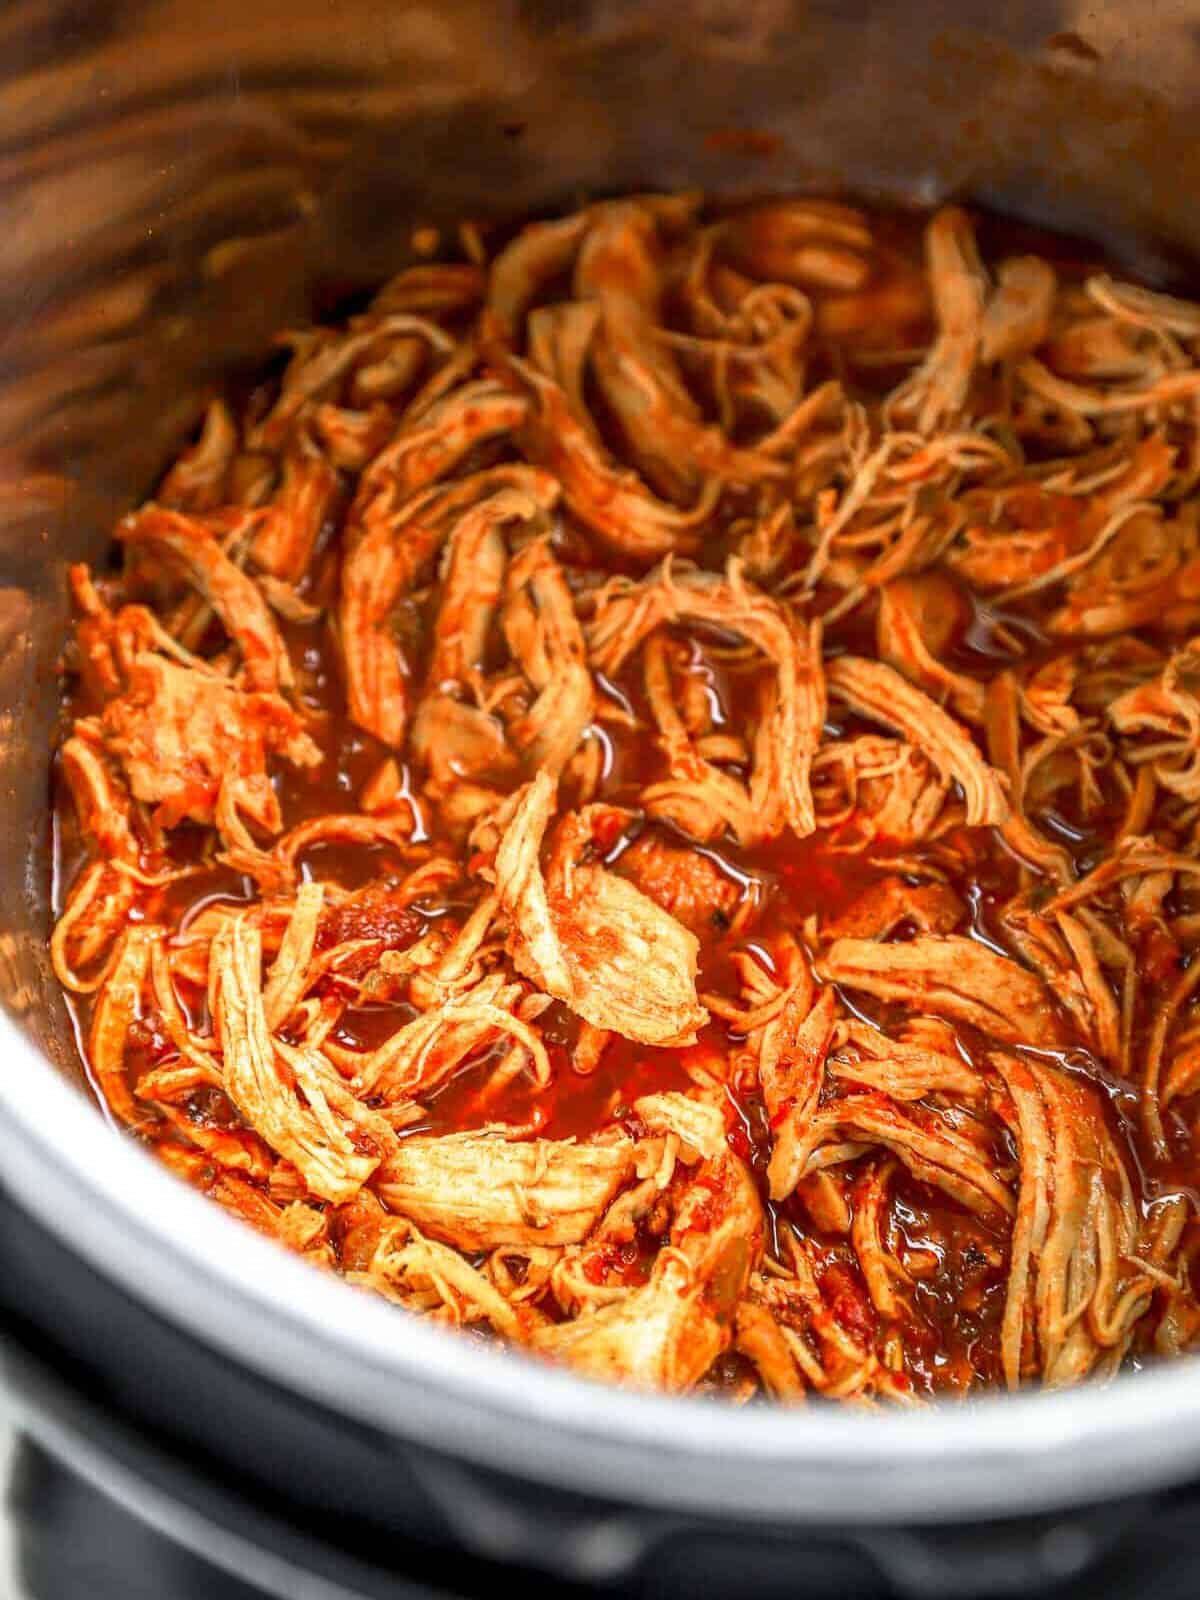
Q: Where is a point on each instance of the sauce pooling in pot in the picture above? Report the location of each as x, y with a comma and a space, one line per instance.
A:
641, 798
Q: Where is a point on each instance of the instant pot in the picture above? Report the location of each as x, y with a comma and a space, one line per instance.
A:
199, 1413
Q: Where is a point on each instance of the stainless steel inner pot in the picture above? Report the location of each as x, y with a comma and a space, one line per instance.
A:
178, 179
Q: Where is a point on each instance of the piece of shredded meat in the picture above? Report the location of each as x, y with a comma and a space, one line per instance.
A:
587, 936
688, 885
642, 798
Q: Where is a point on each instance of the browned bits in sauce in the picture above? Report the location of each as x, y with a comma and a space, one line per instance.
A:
640, 797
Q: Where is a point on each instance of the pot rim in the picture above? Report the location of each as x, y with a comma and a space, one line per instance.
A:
171, 1249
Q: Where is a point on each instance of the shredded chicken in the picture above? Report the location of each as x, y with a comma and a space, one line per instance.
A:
290, 1094
690, 886
880, 694
667, 1334
588, 937
1076, 1286
793, 711
952, 977
480, 1190
183, 735
641, 797
546, 640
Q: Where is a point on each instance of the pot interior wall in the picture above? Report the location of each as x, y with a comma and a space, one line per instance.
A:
180, 180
